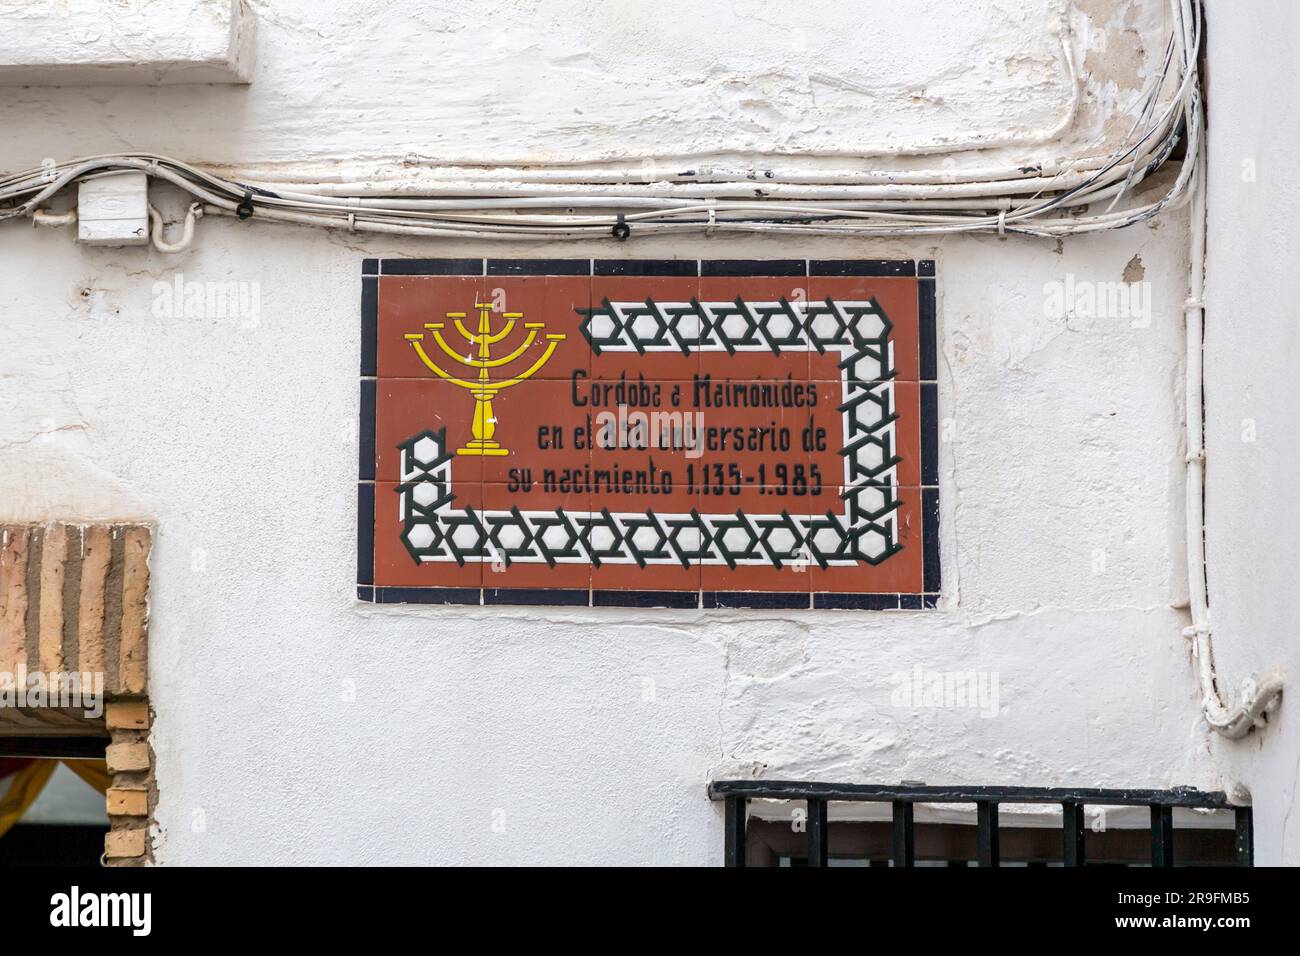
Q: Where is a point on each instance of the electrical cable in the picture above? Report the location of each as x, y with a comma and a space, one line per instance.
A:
1048, 198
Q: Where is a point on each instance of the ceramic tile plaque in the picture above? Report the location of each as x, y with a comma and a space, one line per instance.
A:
649, 433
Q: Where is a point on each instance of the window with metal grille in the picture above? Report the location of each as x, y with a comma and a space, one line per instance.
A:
750, 841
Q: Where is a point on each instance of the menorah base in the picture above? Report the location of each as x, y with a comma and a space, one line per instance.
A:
483, 448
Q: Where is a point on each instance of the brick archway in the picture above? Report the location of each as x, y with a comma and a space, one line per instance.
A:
74, 600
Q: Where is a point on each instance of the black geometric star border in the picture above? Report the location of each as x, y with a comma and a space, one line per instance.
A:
434, 529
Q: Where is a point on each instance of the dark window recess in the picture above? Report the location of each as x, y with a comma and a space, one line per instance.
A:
57, 844
902, 842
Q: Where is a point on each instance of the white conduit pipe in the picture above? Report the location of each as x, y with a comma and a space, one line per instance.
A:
1258, 699
687, 169
473, 193
187, 234
666, 191
696, 169
43, 217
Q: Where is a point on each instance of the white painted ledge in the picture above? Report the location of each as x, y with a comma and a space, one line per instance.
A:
130, 42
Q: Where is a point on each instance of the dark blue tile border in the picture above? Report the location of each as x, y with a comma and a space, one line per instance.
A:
369, 324
553, 597
929, 433
671, 600
365, 533
366, 442
366, 433
930, 539
879, 268
753, 267
539, 267
431, 267
370, 267
927, 329
668, 599
828, 600
648, 268
391, 595
793, 600
925, 267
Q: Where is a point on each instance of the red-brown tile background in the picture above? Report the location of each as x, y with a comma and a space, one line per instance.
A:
547, 423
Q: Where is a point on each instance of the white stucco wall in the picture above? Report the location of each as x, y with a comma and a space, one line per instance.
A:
398, 735
1252, 360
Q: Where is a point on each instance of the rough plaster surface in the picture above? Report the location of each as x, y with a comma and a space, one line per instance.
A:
555, 735
359, 88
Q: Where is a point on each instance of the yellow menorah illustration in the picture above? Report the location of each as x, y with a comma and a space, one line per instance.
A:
484, 388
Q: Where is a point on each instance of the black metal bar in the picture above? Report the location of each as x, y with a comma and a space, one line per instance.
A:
1162, 836
733, 853
888, 793
904, 834
987, 833
58, 748
818, 826
1244, 845
1072, 831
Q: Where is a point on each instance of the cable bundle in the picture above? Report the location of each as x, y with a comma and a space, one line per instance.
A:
1060, 199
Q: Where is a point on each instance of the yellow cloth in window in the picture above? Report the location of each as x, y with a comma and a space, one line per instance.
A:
94, 772
26, 785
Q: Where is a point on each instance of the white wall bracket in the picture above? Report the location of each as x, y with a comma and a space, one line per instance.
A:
131, 42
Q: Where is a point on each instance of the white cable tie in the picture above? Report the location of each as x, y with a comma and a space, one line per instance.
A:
1194, 303
352, 222
1199, 456
713, 217
1002, 223
1196, 630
